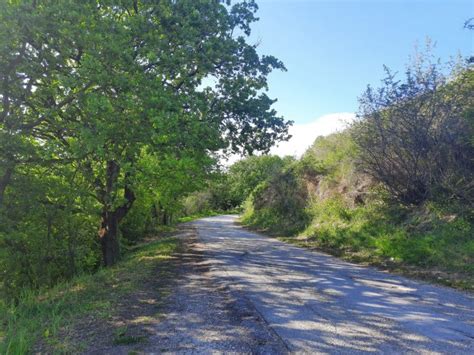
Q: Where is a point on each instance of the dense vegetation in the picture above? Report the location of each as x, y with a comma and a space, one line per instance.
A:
110, 112
394, 189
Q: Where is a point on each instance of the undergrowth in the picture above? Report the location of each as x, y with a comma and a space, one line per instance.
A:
428, 242
43, 316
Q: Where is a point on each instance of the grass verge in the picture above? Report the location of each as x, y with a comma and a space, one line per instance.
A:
66, 318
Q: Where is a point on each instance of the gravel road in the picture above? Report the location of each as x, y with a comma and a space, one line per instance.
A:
259, 295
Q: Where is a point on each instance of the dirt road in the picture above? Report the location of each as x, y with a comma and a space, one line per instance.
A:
249, 293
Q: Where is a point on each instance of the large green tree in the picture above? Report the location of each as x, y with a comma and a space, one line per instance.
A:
94, 84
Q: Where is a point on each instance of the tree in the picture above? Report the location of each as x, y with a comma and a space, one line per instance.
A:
31, 65
111, 79
413, 135
279, 203
245, 175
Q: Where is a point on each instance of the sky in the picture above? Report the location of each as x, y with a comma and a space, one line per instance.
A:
334, 48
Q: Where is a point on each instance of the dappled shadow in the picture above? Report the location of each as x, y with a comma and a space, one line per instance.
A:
202, 316
316, 302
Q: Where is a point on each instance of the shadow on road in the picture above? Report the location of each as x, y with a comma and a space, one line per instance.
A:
317, 302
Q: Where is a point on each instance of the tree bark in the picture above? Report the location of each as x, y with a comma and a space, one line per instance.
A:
109, 228
4, 181
165, 218
109, 241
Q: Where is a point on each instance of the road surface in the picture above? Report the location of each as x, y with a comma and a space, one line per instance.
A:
308, 302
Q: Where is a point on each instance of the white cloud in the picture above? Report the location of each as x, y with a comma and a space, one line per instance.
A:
303, 135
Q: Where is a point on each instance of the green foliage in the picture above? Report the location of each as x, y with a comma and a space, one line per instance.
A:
245, 175
414, 137
198, 203
278, 204
215, 197
378, 232
333, 156
108, 118
47, 232
227, 192
329, 166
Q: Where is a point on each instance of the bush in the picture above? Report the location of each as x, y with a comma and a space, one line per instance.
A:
197, 203
216, 197
48, 232
379, 231
278, 204
414, 137
245, 175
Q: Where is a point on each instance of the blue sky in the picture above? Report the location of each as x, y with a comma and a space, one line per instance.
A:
333, 49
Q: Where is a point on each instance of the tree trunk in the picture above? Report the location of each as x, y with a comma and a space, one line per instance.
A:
109, 241
4, 181
165, 218
109, 228
71, 248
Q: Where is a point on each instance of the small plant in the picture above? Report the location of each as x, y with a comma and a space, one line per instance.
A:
121, 337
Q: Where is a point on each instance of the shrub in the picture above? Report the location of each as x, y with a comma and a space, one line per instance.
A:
414, 137
278, 204
245, 175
